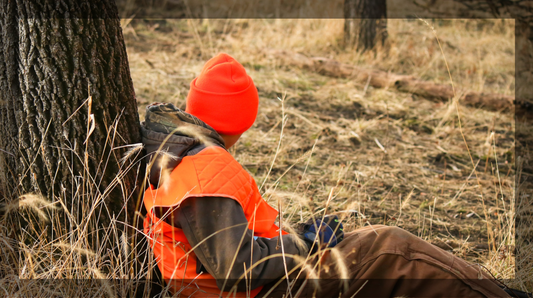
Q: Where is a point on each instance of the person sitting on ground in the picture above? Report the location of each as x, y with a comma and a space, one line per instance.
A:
212, 234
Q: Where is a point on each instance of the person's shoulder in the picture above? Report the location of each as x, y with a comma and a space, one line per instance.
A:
217, 171
213, 158
212, 152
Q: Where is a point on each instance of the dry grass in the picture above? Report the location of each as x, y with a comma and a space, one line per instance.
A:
345, 147
395, 158
64, 251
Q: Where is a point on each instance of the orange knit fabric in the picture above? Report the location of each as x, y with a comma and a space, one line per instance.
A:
224, 96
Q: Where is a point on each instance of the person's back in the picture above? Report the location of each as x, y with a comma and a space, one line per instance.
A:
206, 170
190, 166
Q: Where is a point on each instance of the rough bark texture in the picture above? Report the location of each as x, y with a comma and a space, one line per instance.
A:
382, 79
51, 54
365, 24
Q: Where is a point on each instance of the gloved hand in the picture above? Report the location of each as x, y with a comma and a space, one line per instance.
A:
330, 232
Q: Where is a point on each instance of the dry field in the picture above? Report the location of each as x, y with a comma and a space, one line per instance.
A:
441, 170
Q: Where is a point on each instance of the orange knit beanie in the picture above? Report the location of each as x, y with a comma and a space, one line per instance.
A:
224, 96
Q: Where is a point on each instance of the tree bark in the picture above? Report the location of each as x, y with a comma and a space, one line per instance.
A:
67, 105
365, 23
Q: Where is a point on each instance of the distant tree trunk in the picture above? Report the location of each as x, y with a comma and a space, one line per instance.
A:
365, 23
51, 54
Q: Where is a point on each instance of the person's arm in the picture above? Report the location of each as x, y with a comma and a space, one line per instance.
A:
201, 217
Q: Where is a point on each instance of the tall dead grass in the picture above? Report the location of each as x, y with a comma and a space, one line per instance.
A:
63, 250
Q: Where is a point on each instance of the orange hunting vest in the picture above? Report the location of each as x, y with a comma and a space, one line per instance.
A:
211, 172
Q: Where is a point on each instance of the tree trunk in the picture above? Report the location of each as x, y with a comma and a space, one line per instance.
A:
67, 105
365, 23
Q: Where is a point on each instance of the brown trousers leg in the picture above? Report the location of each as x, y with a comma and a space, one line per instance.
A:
383, 261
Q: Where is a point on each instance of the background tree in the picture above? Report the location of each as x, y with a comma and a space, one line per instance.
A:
365, 23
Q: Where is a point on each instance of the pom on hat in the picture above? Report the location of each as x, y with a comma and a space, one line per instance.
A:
224, 96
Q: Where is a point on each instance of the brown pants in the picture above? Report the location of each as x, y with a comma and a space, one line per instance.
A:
383, 261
